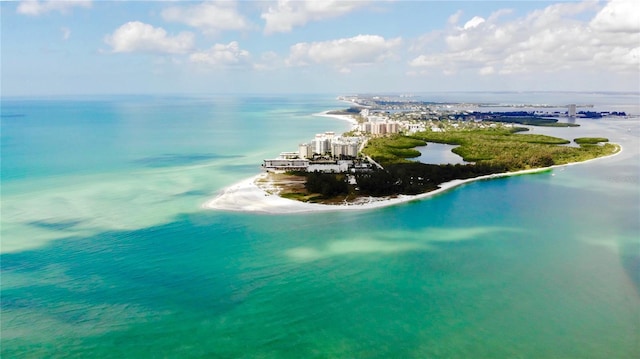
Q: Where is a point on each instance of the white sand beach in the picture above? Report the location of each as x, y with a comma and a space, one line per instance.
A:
347, 118
247, 196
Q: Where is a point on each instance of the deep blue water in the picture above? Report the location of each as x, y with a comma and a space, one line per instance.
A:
106, 251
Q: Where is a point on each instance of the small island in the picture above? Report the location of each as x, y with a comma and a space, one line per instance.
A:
374, 163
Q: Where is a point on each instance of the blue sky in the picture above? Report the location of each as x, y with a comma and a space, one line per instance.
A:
122, 47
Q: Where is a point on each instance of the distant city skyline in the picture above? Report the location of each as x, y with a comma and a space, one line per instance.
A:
185, 47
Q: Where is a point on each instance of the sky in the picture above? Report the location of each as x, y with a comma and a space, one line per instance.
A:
89, 47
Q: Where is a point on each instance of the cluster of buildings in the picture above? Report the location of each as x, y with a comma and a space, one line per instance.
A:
380, 116
328, 152
382, 124
379, 128
377, 125
325, 153
329, 145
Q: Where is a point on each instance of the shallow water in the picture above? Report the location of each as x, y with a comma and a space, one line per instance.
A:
107, 253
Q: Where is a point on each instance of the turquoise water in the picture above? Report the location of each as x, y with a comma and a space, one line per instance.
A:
106, 252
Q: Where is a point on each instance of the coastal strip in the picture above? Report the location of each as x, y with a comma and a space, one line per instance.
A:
347, 118
259, 194
248, 196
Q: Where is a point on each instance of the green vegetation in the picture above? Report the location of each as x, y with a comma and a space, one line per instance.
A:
590, 140
393, 149
347, 111
499, 147
504, 148
351, 111
414, 177
492, 150
327, 184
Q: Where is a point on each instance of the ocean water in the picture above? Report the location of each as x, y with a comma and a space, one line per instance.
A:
107, 253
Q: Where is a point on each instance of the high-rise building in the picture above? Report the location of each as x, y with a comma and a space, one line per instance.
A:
345, 146
305, 150
572, 110
321, 144
392, 127
365, 127
379, 128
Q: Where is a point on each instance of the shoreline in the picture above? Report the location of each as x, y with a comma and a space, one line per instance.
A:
347, 118
247, 196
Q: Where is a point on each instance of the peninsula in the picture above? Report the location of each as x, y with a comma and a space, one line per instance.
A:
373, 164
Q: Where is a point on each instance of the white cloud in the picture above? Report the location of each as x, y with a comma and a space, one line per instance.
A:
221, 55
618, 16
210, 17
552, 39
37, 7
553, 14
287, 14
453, 19
136, 36
344, 53
475, 22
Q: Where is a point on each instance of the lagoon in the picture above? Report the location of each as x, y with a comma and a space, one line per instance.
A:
438, 153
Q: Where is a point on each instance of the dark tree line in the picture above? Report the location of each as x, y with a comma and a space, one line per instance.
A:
408, 178
415, 178
327, 184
